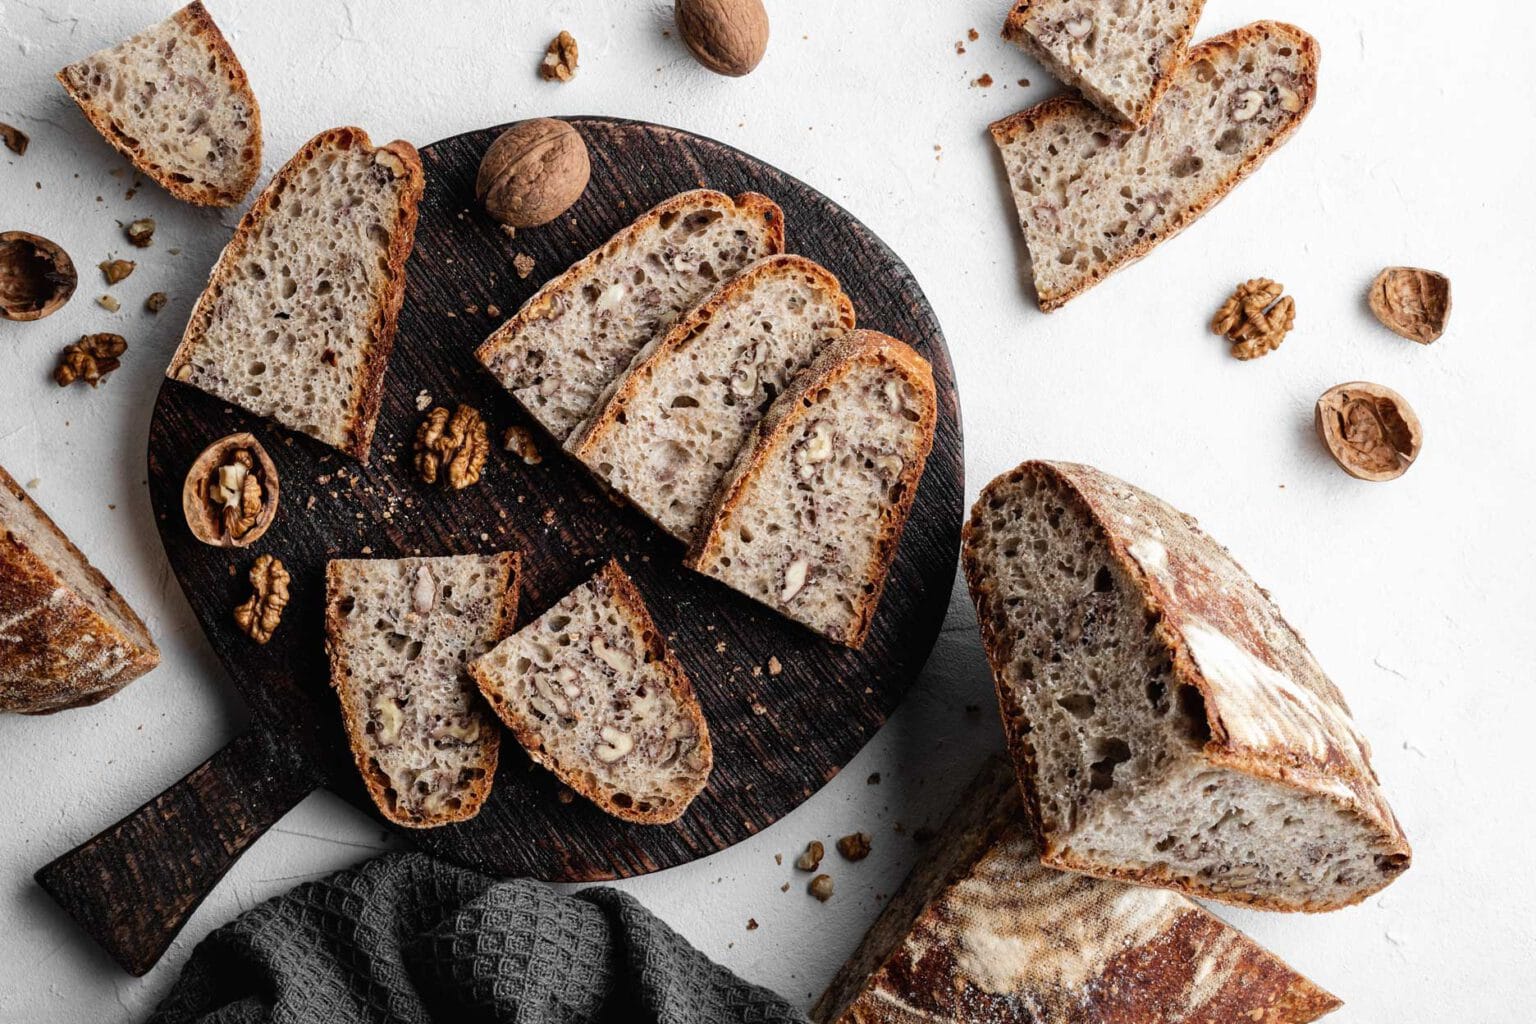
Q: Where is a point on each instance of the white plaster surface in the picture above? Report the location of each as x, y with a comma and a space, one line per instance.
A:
1416, 594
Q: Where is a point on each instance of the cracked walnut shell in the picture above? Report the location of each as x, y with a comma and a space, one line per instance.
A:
230, 497
36, 276
1412, 302
1256, 318
451, 448
90, 359
1371, 431
260, 615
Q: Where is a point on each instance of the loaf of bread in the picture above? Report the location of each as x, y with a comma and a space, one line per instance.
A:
982, 931
298, 318
1169, 726
593, 694
67, 638
809, 517
579, 332
399, 633
175, 101
1093, 196
1119, 56
665, 432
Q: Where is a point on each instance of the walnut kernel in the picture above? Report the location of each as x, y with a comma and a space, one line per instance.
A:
854, 847
821, 887
559, 64
1256, 318
262, 612
523, 264
1412, 302
520, 440
116, 270
230, 496
141, 232
810, 859
1371, 431
156, 301
90, 359
451, 448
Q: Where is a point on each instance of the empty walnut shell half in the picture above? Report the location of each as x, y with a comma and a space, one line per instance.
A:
230, 497
36, 276
1412, 302
1371, 431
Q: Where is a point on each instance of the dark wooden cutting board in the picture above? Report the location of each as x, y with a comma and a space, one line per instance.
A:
786, 709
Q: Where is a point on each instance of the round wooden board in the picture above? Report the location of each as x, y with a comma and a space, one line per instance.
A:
786, 709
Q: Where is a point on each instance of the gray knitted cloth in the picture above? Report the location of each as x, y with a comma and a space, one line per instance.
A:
411, 939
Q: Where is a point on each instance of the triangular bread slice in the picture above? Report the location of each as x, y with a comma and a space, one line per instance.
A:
982, 931
1169, 726
667, 431
1093, 197
578, 332
175, 101
1119, 56
809, 518
399, 633
593, 694
298, 318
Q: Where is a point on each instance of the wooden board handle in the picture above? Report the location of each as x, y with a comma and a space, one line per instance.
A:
133, 886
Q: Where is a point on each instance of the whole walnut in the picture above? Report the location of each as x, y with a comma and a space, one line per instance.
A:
533, 172
727, 36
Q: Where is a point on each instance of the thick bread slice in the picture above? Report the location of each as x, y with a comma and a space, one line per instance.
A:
982, 931
1169, 726
666, 432
298, 318
175, 101
399, 633
593, 694
1119, 55
579, 331
1093, 197
808, 520
67, 638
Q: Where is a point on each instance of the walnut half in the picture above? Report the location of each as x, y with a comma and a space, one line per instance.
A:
1371, 431
1256, 318
258, 617
230, 496
451, 449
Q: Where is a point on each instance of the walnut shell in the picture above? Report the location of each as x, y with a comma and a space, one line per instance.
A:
1371, 431
1412, 302
533, 172
727, 36
204, 512
36, 276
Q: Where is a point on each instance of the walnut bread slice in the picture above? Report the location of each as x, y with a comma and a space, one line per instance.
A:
1093, 196
399, 633
1119, 56
982, 931
593, 694
1169, 726
667, 431
67, 638
298, 318
810, 516
175, 101
580, 331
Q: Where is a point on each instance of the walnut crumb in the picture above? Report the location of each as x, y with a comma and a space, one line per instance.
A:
821, 887
810, 860
751, 924
90, 359
774, 665
116, 270
560, 59
854, 847
520, 440
983, 82
972, 35
523, 264
156, 301
141, 232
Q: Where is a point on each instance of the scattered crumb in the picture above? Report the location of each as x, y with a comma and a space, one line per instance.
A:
310, 502
549, 517
367, 549
985, 81
973, 35
471, 309
960, 47
751, 924
778, 858
719, 646
109, 304
33, 484
854, 847
523, 264
758, 709
810, 860
493, 311
156, 301
520, 440
1023, 83
566, 795
423, 400
784, 887
774, 665
873, 780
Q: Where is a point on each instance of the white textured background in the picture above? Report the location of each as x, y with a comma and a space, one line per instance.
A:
1416, 594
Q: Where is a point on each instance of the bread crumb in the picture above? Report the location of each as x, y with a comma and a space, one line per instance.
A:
1024, 83
984, 82
778, 858
751, 924
960, 47
973, 35
758, 709
784, 887
493, 311
774, 665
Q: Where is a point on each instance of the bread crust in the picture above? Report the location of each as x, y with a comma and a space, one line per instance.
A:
195, 21
1004, 130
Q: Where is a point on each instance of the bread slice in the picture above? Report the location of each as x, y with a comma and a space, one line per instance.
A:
175, 101
298, 318
579, 331
666, 432
1169, 726
399, 633
1120, 56
67, 638
1093, 197
808, 520
982, 931
593, 694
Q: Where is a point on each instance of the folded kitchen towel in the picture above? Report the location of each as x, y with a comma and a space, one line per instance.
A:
406, 938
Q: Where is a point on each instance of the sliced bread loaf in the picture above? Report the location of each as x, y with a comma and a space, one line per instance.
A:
1093, 197
1119, 55
593, 694
67, 638
399, 633
1169, 726
809, 517
175, 101
579, 332
982, 931
666, 432
298, 318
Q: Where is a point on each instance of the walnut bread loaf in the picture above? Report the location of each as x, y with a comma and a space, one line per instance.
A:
809, 517
593, 694
175, 101
298, 318
67, 638
982, 931
1093, 196
1169, 727
580, 331
667, 431
1119, 56
399, 633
